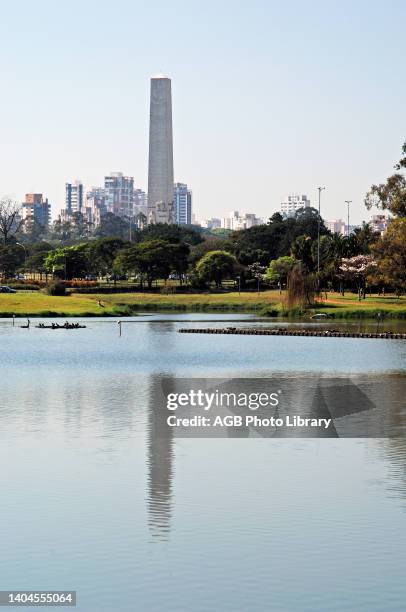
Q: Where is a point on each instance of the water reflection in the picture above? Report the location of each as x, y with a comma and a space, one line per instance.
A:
86, 471
340, 399
160, 459
395, 451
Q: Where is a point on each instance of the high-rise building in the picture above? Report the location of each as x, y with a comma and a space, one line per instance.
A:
95, 205
182, 199
160, 167
212, 223
230, 221
119, 190
35, 211
292, 203
237, 222
379, 223
140, 202
73, 198
337, 226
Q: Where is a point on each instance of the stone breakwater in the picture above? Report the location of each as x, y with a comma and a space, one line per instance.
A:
320, 333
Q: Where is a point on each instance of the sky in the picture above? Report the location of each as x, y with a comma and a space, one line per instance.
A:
269, 97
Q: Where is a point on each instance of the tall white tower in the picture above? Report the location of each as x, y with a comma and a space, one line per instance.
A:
160, 167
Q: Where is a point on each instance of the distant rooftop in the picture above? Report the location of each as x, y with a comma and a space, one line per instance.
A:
160, 76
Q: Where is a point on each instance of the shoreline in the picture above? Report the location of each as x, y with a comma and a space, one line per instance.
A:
350, 315
267, 304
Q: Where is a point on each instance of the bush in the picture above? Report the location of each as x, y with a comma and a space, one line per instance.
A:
78, 283
168, 290
105, 289
270, 311
28, 283
24, 287
56, 288
251, 284
196, 283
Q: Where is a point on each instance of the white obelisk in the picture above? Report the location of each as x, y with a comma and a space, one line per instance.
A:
160, 167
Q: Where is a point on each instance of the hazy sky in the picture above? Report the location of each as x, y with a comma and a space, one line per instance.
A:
268, 96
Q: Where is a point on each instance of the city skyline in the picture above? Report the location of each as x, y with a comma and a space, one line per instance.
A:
311, 109
122, 197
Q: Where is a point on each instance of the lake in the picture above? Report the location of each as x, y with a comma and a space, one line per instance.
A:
94, 501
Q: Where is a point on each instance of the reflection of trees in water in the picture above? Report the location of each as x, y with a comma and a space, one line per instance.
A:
161, 327
160, 335
394, 449
99, 403
159, 461
73, 402
103, 406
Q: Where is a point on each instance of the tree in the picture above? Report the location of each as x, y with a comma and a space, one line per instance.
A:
264, 238
113, 225
361, 240
216, 266
303, 250
275, 218
333, 248
62, 230
33, 232
178, 256
257, 272
211, 243
102, 254
250, 256
81, 227
278, 269
275, 239
392, 194
307, 222
356, 270
10, 221
301, 286
402, 162
11, 258
172, 233
390, 255
68, 262
37, 253
219, 232
152, 259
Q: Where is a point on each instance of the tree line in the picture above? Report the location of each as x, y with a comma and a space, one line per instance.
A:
271, 253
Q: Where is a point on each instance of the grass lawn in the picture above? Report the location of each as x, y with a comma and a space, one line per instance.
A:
349, 305
40, 304
37, 303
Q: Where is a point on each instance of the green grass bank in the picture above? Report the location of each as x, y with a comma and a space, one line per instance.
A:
39, 304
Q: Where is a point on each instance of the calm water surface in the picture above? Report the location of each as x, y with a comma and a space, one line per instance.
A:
91, 501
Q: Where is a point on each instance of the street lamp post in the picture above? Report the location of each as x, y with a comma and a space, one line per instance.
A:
348, 202
25, 254
320, 189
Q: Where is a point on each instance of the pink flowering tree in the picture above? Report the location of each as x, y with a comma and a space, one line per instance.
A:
355, 269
